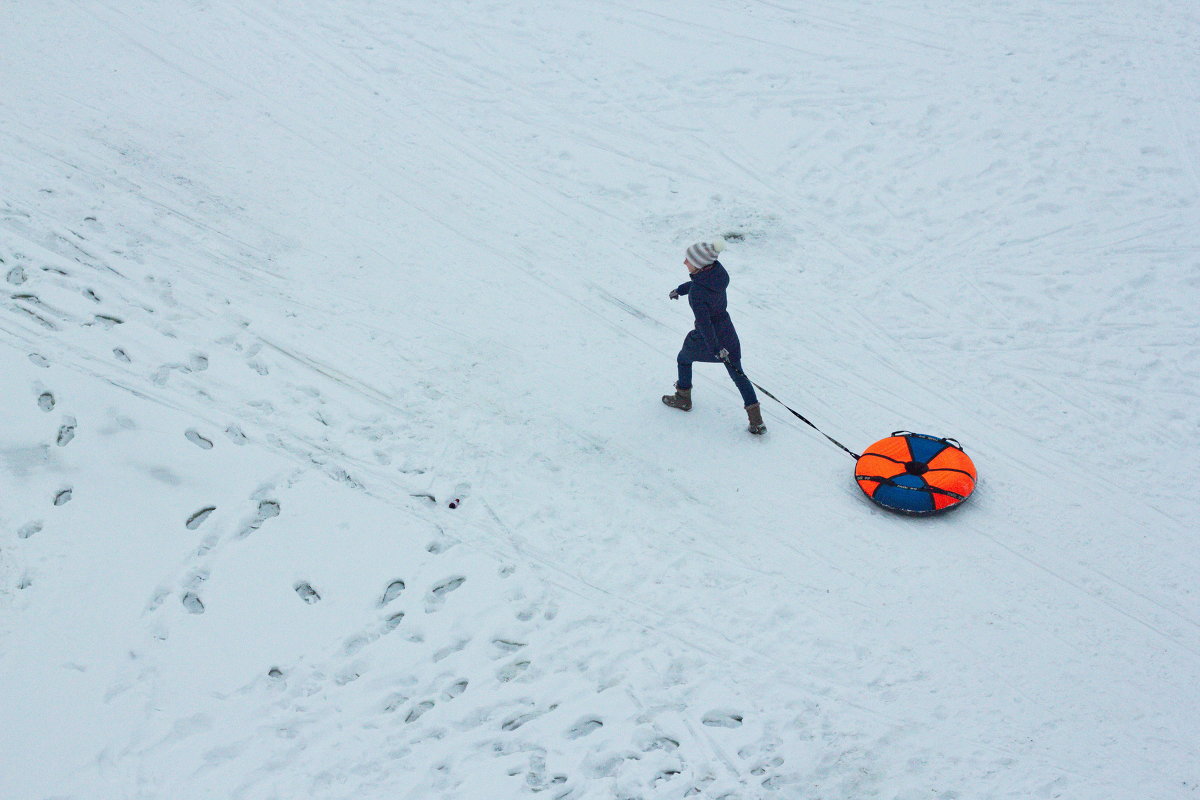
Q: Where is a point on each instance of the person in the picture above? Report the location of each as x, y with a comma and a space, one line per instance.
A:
713, 340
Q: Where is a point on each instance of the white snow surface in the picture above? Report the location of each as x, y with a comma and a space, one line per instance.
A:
326, 267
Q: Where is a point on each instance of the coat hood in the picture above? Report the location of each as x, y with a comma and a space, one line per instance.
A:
714, 277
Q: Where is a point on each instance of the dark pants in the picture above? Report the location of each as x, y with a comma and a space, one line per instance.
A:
694, 349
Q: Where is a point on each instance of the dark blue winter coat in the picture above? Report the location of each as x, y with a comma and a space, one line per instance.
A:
706, 295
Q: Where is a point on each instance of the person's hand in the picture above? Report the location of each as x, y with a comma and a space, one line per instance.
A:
723, 355
674, 295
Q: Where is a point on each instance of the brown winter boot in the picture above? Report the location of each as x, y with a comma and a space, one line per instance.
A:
682, 399
756, 424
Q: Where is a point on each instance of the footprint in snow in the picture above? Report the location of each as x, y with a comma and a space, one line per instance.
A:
157, 599
348, 675
513, 723
775, 782
196, 579
584, 727
117, 423
455, 689
66, 431
121, 355
307, 593
266, 510
762, 767
392, 591
418, 710
16, 276
39, 360
29, 529
46, 401
198, 440
197, 362
535, 777
722, 719
548, 612
438, 592
63, 497
450, 649
660, 743
165, 475
512, 671
197, 519
664, 776
235, 435
356, 643
391, 623
192, 603
394, 701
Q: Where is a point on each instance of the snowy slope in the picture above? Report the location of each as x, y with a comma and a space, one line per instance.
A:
323, 268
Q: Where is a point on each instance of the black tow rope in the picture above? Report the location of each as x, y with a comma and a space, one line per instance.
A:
798, 415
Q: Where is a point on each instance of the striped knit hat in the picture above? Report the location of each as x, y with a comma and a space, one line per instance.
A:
701, 254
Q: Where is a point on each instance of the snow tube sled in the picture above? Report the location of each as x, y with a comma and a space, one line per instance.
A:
916, 474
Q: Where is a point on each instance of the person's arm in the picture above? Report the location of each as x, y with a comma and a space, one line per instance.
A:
680, 290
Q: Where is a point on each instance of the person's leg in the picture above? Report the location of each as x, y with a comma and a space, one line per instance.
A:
682, 399
692, 350
743, 384
749, 398
685, 372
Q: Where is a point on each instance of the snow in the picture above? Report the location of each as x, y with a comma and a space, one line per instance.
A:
325, 267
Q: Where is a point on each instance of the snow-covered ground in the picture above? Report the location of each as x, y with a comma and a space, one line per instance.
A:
284, 280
